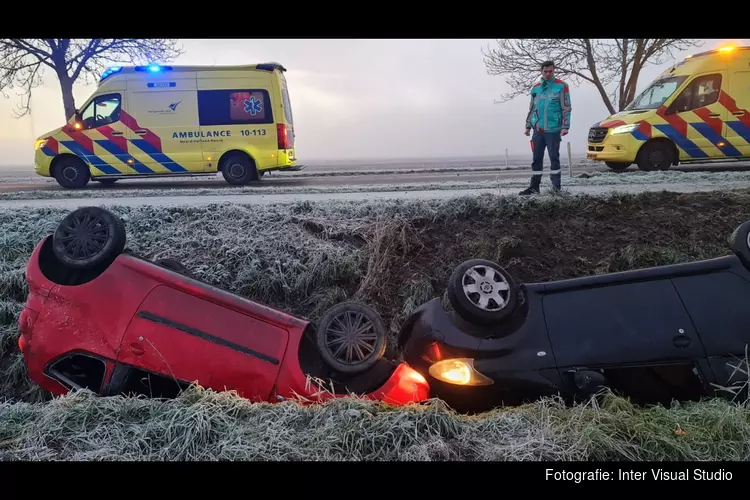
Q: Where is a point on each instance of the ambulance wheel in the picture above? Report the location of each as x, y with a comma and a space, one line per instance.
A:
238, 169
655, 155
71, 172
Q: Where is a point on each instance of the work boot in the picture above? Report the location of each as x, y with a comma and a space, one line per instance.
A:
529, 191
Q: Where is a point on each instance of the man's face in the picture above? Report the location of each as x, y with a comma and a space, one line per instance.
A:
548, 72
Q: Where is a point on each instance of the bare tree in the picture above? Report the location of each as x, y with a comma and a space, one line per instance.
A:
23, 61
600, 62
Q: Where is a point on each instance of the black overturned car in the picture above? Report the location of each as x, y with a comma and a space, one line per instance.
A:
654, 335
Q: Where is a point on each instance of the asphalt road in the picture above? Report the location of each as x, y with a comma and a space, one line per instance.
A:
364, 173
255, 199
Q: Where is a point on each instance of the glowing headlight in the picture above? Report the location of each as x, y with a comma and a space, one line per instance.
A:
625, 129
459, 371
39, 144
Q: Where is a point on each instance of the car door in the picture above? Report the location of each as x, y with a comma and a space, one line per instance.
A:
737, 102
638, 334
695, 119
102, 139
163, 121
179, 335
717, 303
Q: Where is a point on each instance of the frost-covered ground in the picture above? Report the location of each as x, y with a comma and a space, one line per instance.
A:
594, 183
394, 255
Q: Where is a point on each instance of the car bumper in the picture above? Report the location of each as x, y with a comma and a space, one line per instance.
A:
614, 148
42, 162
514, 369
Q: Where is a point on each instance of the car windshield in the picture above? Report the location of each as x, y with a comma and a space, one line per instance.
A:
656, 94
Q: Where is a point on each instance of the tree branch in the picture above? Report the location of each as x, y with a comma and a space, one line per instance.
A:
600, 62
22, 61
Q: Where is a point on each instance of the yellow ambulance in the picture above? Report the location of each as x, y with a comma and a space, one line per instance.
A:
163, 121
696, 111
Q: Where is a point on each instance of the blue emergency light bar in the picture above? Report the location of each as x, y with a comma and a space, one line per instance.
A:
110, 71
153, 68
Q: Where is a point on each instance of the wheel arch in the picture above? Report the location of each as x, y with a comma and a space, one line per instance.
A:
58, 158
226, 154
665, 140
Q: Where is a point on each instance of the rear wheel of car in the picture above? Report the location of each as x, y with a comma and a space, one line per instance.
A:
88, 237
655, 155
71, 172
238, 169
482, 292
739, 242
351, 337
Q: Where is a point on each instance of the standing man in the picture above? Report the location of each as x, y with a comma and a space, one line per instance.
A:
549, 116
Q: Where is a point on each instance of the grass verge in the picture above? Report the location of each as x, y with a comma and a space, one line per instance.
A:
395, 255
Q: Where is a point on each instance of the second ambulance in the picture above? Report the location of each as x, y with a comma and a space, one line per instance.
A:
696, 111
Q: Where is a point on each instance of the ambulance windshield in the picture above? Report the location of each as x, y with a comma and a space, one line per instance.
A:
656, 94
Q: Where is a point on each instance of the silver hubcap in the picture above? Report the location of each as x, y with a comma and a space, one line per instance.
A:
486, 288
351, 338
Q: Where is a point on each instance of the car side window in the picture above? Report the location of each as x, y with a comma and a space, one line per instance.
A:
87, 116
104, 110
701, 92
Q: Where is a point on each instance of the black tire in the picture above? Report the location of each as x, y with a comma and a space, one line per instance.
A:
106, 182
88, 237
492, 283
239, 169
655, 155
617, 165
173, 265
739, 242
351, 321
71, 172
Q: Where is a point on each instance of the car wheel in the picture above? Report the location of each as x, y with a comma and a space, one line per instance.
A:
655, 155
482, 292
351, 337
173, 265
739, 242
88, 237
239, 169
71, 172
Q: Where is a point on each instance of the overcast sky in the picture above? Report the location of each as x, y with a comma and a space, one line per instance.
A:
361, 99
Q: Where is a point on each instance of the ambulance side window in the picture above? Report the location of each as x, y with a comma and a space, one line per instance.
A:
103, 110
234, 107
701, 92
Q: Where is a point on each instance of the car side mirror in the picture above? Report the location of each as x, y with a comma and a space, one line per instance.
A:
77, 120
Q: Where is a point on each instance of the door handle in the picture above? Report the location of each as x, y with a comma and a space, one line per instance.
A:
117, 133
738, 113
681, 341
714, 115
136, 349
140, 132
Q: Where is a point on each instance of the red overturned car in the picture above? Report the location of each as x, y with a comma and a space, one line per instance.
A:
102, 318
